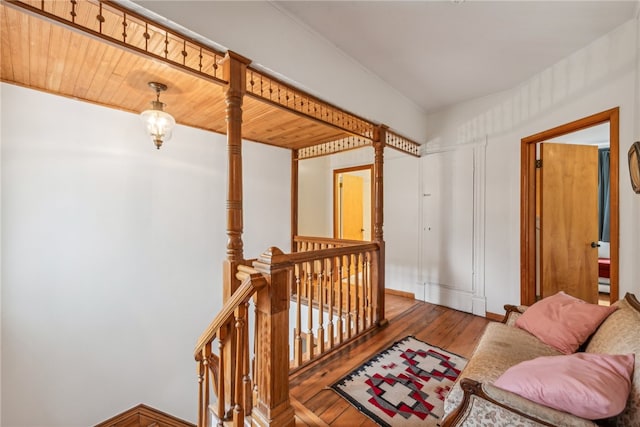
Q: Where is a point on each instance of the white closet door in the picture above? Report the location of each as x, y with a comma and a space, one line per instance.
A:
447, 223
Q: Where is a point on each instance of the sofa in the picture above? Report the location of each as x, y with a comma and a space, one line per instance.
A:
475, 400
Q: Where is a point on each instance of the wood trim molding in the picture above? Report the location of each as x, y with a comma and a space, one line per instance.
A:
528, 199
396, 292
633, 301
143, 415
494, 316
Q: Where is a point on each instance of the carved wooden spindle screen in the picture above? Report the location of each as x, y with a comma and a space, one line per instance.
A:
401, 143
262, 86
344, 144
333, 295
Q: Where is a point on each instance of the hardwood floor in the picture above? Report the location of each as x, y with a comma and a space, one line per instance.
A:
316, 405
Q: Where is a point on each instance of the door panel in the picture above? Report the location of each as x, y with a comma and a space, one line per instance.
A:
448, 210
569, 220
352, 218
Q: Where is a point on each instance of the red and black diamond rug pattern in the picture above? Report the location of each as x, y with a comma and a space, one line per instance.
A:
403, 385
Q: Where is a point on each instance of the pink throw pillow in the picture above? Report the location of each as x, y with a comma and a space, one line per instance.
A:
587, 385
562, 321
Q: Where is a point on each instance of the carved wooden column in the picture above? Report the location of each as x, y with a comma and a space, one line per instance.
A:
234, 69
273, 407
294, 198
379, 139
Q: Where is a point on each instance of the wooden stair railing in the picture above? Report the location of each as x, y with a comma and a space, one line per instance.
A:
340, 288
262, 393
308, 243
233, 318
335, 295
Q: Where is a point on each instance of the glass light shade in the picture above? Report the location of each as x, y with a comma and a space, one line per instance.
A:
159, 125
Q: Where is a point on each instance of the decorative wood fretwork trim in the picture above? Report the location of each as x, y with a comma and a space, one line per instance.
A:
332, 147
275, 92
401, 143
134, 414
117, 25
393, 140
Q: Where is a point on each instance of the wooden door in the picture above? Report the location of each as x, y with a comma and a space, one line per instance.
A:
352, 210
569, 220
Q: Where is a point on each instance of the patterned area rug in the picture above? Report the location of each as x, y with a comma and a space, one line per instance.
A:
403, 385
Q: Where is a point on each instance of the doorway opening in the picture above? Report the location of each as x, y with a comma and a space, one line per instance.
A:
352, 195
531, 205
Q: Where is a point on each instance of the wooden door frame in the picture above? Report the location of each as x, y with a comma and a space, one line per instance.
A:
368, 167
528, 199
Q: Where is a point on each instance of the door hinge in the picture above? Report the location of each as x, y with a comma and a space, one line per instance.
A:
538, 164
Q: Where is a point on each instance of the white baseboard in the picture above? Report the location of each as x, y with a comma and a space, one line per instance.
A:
479, 306
452, 298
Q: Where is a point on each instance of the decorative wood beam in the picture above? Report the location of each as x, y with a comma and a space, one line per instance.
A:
269, 89
392, 139
116, 25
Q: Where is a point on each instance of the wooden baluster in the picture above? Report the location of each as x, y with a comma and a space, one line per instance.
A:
321, 301
297, 344
338, 283
256, 350
221, 375
348, 309
330, 279
310, 335
247, 402
363, 282
238, 411
201, 384
375, 292
207, 374
358, 293
367, 275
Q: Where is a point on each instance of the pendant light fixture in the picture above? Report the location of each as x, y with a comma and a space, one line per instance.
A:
158, 122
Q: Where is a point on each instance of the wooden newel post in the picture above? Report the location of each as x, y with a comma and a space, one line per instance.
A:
273, 407
379, 140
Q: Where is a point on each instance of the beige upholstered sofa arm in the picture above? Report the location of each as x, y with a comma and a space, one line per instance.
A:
484, 404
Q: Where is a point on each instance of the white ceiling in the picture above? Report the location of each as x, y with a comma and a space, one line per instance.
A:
439, 53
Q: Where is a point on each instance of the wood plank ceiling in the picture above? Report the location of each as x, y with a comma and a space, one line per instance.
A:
55, 56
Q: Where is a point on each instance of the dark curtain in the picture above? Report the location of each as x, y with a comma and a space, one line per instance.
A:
603, 194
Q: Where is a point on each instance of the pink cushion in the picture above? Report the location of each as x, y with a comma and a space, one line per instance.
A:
587, 385
562, 321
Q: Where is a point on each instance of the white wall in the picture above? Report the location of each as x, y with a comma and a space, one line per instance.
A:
401, 221
600, 76
315, 197
111, 254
